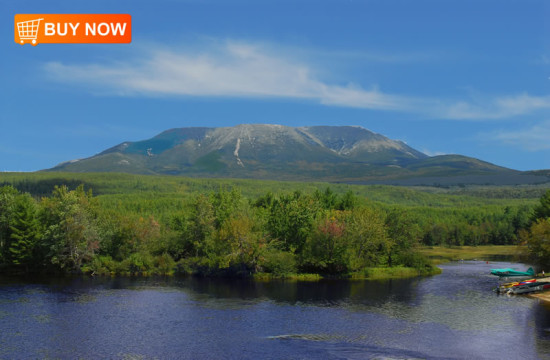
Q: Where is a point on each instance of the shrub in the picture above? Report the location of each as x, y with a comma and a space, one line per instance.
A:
415, 260
164, 264
101, 265
138, 264
279, 263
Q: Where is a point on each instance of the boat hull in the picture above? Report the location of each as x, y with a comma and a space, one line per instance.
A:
524, 288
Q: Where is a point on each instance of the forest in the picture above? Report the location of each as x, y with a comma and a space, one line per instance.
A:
120, 224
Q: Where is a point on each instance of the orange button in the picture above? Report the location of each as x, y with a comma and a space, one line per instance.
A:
72, 28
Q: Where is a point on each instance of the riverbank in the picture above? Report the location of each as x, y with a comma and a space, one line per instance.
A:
441, 254
543, 296
373, 273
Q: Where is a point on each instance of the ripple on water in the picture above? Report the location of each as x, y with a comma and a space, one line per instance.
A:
453, 315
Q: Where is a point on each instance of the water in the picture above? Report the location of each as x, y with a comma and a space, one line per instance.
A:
454, 315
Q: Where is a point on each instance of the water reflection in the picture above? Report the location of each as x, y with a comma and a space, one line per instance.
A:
454, 315
541, 329
318, 293
321, 293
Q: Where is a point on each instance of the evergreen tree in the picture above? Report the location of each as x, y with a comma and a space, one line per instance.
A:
25, 231
7, 203
348, 202
326, 199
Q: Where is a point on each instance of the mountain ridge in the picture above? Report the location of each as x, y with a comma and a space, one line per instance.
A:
267, 151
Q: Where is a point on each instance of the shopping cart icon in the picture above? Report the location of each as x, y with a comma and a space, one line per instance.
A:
28, 30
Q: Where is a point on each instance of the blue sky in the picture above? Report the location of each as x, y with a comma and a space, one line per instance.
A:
445, 76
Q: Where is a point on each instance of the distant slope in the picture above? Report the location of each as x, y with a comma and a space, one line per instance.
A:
325, 153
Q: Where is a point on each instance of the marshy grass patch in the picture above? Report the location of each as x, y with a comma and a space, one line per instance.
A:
440, 254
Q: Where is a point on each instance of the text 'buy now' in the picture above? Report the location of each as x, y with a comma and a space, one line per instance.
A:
72, 28
93, 29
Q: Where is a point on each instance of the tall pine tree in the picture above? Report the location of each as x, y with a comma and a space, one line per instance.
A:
25, 231
7, 202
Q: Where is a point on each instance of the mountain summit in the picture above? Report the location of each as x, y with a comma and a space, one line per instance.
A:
327, 153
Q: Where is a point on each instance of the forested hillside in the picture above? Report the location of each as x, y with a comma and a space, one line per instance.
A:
130, 224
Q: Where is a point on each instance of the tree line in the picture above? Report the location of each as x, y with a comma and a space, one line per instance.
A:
224, 233
535, 239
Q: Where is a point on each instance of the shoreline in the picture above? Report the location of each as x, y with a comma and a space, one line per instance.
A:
543, 296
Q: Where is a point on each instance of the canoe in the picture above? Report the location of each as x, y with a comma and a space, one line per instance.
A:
529, 288
516, 283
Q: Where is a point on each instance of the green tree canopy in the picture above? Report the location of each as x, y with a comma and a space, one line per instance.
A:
291, 220
25, 232
537, 239
542, 211
71, 233
7, 205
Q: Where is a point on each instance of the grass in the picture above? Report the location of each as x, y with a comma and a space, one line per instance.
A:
439, 254
291, 277
373, 273
398, 272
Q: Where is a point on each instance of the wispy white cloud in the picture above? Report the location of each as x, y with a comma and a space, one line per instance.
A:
385, 57
534, 138
237, 69
496, 108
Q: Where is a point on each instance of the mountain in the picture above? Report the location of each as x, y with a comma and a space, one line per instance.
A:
321, 153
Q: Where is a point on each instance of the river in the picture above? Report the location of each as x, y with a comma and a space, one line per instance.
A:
454, 315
